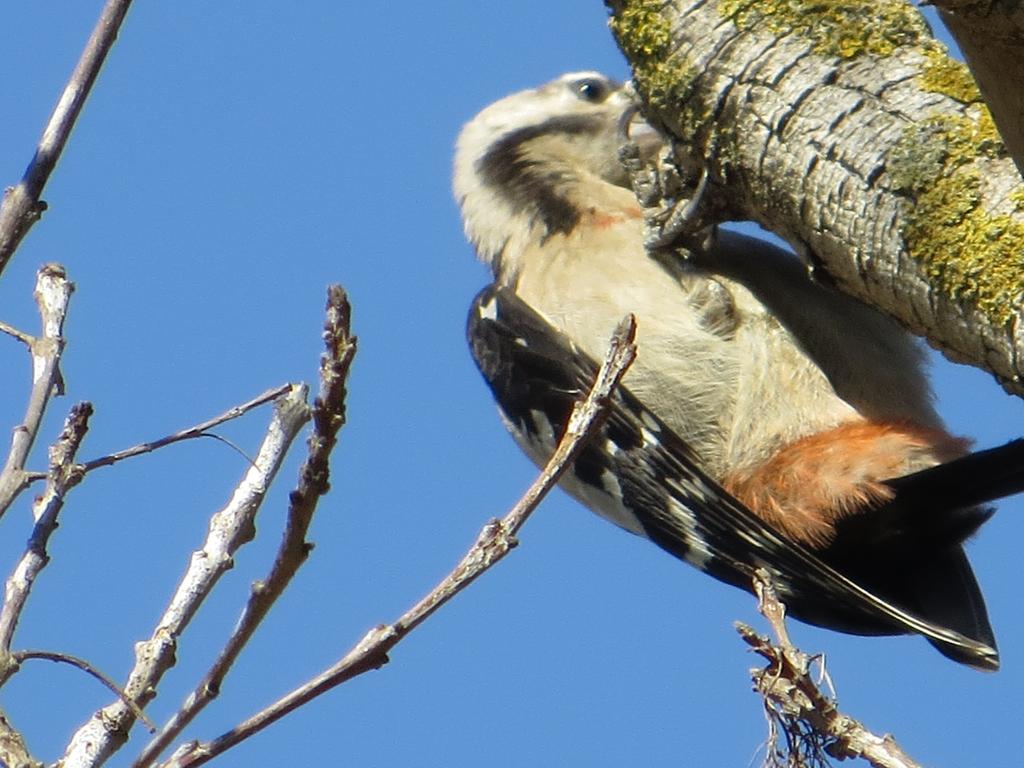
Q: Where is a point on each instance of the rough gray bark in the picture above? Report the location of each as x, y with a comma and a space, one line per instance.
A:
847, 130
991, 36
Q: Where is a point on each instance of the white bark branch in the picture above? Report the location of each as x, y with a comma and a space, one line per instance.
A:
230, 528
61, 478
21, 206
53, 292
314, 482
494, 542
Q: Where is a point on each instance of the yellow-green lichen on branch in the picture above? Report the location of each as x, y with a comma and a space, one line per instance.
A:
851, 29
642, 29
967, 252
845, 30
644, 34
945, 75
1017, 198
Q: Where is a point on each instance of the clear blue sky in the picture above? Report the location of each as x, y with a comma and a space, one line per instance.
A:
235, 158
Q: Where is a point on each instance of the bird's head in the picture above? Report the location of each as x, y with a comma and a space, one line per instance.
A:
529, 165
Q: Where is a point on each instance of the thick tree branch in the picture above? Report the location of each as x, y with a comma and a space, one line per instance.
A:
53, 291
991, 36
21, 206
314, 482
230, 528
847, 130
494, 542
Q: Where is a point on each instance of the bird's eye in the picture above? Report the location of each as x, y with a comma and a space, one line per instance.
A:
591, 89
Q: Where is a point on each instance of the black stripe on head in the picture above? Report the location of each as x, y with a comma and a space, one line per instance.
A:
528, 186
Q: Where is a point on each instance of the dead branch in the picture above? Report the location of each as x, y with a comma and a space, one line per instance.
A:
199, 430
230, 528
61, 478
328, 418
494, 542
52, 294
21, 206
13, 751
89, 669
810, 720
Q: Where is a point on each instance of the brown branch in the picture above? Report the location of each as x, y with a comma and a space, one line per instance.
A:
328, 418
62, 477
53, 292
89, 669
229, 528
199, 430
21, 206
494, 542
811, 721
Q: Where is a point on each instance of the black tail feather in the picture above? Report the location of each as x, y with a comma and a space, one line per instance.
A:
977, 478
946, 593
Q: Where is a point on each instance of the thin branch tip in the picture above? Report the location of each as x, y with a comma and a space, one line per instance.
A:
22, 205
199, 430
52, 295
809, 720
328, 415
54, 271
92, 671
626, 329
340, 344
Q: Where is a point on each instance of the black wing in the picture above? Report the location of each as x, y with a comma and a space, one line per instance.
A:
639, 473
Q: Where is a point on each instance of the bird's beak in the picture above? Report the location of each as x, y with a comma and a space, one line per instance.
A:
634, 129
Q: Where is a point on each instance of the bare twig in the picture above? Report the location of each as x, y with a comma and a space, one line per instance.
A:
89, 669
199, 430
494, 542
13, 751
14, 333
62, 477
328, 418
21, 206
53, 291
809, 719
231, 527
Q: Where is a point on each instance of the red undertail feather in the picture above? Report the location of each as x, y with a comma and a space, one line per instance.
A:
810, 484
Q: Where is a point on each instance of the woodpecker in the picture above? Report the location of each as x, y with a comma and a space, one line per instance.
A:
768, 421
